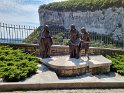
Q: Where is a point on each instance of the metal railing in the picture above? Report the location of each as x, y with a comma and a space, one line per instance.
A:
28, 34
14, 33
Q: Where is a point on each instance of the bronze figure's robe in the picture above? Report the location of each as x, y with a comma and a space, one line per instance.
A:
74, 43
85, 39
45, 43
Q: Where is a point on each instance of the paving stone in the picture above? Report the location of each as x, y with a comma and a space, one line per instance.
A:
73, 91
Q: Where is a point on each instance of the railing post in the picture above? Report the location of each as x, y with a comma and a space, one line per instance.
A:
25, 32
0, 32
28, 28
101, 39
14, 33
9, 33
122, 38
19, 32
11, 27
5, 25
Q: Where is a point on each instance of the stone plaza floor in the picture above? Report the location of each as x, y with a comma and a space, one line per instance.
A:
44, 75
73, 91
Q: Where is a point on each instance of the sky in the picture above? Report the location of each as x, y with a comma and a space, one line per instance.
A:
21, 12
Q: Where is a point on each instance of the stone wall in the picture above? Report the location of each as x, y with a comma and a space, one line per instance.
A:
57, 50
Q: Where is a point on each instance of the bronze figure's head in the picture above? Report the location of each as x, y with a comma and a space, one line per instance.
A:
83, 30
46, 28
72, 26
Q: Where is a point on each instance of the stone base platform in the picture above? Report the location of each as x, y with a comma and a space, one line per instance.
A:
65, 66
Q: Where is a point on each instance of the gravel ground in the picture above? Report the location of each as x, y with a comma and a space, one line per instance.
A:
73, 91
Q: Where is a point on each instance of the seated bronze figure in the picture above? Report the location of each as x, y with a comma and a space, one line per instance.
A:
85, 39
74, 43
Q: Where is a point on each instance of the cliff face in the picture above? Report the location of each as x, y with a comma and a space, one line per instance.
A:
107, 21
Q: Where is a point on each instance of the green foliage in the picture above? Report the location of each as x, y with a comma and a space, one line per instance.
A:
117, 63
104, 41
16, 65
60, 39
98, 43
82, 5
33, 37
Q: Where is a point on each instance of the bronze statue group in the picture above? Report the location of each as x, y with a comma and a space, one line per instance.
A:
77, 42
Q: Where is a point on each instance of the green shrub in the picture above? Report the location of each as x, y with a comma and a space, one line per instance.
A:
60, 39
117, 63
15, 65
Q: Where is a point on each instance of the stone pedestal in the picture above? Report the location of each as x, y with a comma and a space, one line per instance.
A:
65, 66
99, 65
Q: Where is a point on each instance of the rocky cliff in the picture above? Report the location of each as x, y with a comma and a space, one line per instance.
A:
107, 21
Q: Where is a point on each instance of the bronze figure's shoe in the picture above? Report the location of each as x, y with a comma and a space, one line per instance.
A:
48, 56
88, 58
77, 57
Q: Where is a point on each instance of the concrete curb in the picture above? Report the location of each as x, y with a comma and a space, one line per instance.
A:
63, 85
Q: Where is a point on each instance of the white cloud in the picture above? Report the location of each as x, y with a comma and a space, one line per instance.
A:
16, 13
24, 12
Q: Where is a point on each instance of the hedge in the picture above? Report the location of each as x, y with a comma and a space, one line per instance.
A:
15, 65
